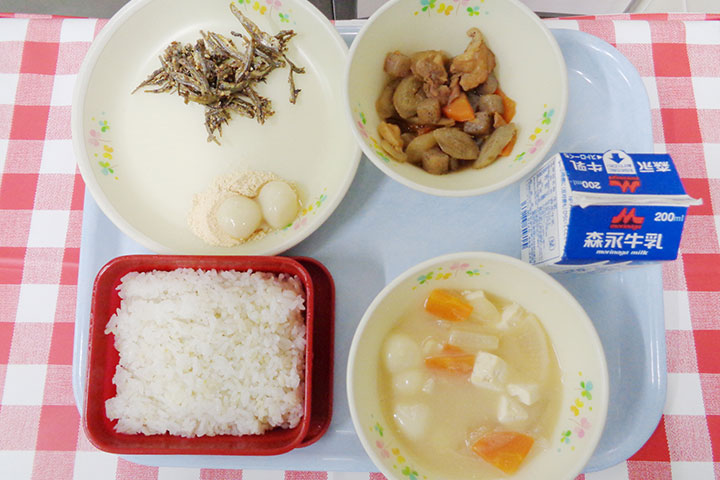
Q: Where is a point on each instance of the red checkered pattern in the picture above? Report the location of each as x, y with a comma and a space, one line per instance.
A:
41, 201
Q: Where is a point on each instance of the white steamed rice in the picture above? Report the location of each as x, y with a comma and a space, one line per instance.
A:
208, 353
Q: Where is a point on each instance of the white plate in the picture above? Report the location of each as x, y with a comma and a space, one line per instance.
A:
144, 156
383, 228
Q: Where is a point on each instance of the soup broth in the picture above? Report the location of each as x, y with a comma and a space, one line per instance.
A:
464, 370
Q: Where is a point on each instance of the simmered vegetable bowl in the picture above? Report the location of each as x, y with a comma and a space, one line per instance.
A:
444, 114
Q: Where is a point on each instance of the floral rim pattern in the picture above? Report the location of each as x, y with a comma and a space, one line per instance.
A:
578, 421
311, 209
100, 146
459, 269
361, 123
537, 138
387, 450
451, 7
269, 8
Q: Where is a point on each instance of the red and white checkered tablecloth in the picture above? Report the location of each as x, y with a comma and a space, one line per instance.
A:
41, 204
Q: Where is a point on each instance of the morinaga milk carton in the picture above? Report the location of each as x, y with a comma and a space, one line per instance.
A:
582, 211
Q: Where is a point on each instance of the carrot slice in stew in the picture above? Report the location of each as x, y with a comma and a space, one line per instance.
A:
447, 306
455, 363
504, 450
508, 104
510, 145
422, 129
459, 109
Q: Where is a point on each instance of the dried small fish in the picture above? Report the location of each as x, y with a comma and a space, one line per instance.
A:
217, 74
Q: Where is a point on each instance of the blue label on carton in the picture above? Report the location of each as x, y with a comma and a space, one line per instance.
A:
616, 172
583, 209
623, 233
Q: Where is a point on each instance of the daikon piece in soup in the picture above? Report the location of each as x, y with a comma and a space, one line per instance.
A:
470, 384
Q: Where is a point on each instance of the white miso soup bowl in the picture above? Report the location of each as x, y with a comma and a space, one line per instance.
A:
530, 67
576, 344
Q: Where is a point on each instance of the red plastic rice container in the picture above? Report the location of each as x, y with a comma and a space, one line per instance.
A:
103, 359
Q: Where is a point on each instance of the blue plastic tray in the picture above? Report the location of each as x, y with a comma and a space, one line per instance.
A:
382, 228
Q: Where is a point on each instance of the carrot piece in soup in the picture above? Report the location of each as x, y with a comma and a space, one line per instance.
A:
447, 305
459, 109
455, 363
504, 450
508, 105
447, 348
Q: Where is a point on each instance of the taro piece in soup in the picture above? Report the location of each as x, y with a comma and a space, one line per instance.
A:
470, 384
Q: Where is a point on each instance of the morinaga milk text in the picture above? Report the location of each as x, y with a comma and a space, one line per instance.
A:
581, 211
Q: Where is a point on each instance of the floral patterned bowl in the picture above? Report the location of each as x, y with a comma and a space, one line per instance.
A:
143, 157
530, 67
583, 370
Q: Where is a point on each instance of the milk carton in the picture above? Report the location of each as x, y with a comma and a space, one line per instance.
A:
584, 211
